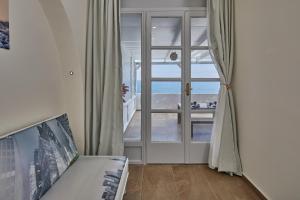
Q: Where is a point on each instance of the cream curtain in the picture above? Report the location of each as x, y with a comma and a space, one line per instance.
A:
224, 153
103, 99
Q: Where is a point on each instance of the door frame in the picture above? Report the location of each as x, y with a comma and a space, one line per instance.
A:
195, 151
163, 152
135, 148
186, 13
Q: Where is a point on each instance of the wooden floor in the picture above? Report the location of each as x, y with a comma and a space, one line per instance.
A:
184, 182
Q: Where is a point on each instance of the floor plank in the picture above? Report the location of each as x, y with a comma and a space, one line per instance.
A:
134, 184
158, 183
226, 187
191, 184
184, 182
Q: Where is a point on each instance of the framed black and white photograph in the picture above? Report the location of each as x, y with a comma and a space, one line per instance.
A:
4, 24
33, 159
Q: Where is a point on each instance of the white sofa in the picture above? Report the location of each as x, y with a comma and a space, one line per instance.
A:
84, 179
42, 162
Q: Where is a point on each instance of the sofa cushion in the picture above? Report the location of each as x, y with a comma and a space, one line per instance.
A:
92, 178
33, 159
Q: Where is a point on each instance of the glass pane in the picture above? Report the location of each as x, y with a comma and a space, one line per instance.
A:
166, 95
133, 130
203, 104
202, 65
166, 63
201, 130
131, 65
199, 31
205, 88
166, 31
165, 127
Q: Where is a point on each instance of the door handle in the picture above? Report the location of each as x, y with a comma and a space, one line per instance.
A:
187, 89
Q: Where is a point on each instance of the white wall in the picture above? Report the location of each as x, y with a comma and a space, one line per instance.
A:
76, 11
69, 55
267, 92
30, 72
76, 14
34, 75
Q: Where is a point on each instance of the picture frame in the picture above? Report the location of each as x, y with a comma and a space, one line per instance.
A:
4, 25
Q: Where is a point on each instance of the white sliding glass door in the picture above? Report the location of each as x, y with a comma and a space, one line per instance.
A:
165, 39
173, 86
132, 41
203, 79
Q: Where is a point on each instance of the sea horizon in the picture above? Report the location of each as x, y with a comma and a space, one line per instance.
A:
175, 87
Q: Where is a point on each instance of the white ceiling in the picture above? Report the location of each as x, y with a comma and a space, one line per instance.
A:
162, 3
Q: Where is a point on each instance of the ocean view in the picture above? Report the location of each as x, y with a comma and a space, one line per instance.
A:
175, 87
173, 71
